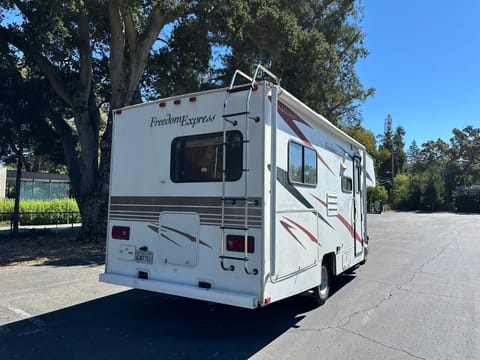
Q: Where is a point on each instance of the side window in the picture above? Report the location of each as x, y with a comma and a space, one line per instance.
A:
347, 184
199, 158
302, 164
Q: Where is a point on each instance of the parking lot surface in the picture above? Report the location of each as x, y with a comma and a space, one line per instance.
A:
418, 297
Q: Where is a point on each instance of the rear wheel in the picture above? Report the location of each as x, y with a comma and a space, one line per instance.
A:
365, 255
322, 291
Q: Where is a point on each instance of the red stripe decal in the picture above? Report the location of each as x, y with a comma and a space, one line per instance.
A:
342, 220
290, 117
349, 227
289, 229
324, 203
308, 233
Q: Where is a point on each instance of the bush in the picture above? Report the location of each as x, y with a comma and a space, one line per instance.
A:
377, 193
42, 212
467, 199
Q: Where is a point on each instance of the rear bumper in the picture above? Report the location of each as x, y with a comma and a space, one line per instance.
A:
223, 297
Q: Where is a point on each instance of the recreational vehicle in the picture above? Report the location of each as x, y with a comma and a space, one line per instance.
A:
241, 196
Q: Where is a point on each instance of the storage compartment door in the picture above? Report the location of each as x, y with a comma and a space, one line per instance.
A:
178, 235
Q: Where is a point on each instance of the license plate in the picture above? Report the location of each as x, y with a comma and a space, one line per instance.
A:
145, 257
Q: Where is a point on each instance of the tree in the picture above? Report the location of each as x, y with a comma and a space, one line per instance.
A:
413, 156
364, 137
312, 46
465, 151
94, 55
391, 144
24, 131
71, 43
400, 199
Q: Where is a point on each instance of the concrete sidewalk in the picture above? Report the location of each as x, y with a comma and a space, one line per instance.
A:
6, 230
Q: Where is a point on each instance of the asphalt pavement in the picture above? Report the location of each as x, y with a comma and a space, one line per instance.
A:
418, 297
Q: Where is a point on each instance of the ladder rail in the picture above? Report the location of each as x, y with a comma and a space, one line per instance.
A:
245, 165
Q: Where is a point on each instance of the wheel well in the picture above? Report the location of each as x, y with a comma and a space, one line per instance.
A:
330, 261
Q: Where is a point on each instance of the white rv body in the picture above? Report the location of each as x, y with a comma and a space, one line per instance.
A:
235, 196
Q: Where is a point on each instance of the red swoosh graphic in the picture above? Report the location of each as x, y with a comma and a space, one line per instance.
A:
342, 220
290, 117
308, 233
289, 229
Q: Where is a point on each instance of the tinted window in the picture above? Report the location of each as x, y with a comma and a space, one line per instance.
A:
302, 164
295, 167
199, 158
347, 185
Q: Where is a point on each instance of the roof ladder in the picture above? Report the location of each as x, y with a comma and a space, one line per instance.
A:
233, 119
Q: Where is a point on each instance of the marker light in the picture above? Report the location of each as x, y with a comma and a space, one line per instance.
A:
237, 243
121, 232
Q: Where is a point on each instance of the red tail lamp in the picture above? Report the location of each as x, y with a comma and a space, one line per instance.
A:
237, 243
121, 232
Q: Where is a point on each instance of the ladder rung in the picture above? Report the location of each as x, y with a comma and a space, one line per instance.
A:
236, 142
233, 199
236, 114
243, 228
227, 171
234, 258
227, 198
239, 88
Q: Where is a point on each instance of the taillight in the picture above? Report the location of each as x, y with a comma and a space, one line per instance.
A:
237, 243
121, 232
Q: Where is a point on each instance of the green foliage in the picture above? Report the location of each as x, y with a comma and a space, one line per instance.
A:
435, 171
391, 156
312, 46
401, 192
376, 193
42, 212
364, 137
467, 199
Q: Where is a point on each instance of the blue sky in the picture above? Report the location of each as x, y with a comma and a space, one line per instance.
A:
424, 63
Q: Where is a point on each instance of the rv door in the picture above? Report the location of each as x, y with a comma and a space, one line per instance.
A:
357, 221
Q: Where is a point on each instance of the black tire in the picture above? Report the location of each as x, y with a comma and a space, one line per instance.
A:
365, 256
321, 292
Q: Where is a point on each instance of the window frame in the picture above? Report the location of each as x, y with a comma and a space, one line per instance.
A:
289, 175
344, 189
236, 166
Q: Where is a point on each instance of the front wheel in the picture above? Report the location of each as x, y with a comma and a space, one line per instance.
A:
321, 291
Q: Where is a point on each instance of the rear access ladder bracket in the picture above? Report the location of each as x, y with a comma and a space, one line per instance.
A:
227, 117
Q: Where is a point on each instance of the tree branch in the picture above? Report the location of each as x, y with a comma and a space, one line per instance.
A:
85, 55
117, 53
50, 72
140, 51
130, 31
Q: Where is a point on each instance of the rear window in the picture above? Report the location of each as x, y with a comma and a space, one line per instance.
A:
199, 158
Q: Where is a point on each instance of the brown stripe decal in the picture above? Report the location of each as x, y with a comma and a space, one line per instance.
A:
209, 209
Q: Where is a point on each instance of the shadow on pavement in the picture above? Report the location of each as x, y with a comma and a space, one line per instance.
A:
96, 259
137, 324
142, 325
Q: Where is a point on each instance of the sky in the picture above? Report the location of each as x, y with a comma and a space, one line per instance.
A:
424, 63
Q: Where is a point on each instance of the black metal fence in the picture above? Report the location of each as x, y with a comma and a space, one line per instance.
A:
32, 221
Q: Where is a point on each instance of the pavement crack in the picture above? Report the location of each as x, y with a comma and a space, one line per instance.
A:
382, 344
344, 323
391, 292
